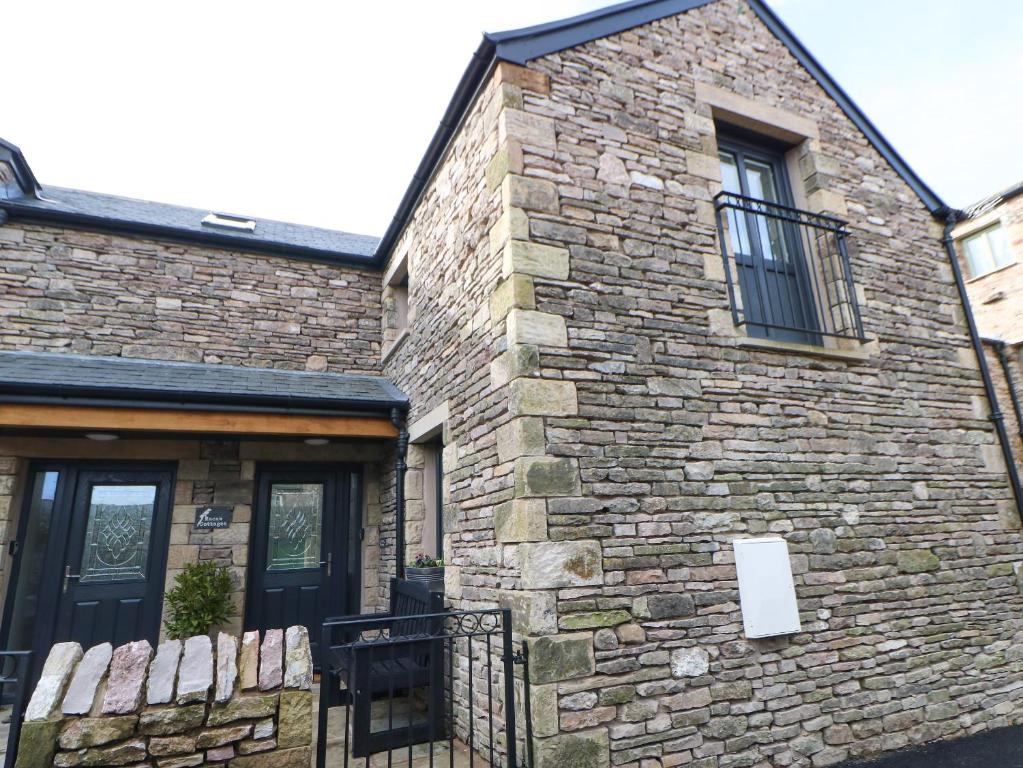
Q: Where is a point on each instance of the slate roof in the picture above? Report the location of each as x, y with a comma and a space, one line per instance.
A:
81, 377
125, 212
24, 197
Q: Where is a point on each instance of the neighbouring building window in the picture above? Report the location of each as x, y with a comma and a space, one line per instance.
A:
986, 251
433, 499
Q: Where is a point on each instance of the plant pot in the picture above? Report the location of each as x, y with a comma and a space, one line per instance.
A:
433, 578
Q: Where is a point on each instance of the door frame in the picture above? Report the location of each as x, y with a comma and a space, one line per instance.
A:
351, 510
741, 145
58, 544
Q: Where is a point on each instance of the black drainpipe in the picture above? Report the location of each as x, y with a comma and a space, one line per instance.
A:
400, 466
1003, 358
978, 347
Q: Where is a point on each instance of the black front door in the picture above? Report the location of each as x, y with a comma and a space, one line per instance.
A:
304, 564
777, 298
90, 557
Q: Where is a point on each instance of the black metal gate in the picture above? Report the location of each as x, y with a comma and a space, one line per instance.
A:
434, 687
15, 668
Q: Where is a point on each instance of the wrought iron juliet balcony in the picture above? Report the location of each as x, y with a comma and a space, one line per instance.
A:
787, 270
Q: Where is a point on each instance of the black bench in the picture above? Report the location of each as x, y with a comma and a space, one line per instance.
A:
385, 656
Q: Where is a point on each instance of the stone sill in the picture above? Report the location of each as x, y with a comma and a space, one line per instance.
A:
859, 355
386, 354
993, 272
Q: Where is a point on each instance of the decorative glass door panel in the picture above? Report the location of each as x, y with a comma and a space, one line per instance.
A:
117, 534
90, 556
295, 526
305, 547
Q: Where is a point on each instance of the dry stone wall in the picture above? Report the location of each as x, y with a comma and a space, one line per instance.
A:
242, 704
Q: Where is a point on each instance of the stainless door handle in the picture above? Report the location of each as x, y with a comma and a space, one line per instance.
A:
328, 562
67, 577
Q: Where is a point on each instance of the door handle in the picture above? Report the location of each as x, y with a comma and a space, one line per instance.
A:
328, 562
67, 578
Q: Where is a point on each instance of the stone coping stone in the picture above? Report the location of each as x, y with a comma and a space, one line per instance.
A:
271, 660
298, 661
91, 669
162, 673
195, 673
56, 674
127, 678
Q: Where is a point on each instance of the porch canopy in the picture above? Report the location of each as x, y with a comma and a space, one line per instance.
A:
45, 391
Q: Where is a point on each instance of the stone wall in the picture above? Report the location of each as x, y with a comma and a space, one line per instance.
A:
244, 704
100, 294
453, 250
648, 434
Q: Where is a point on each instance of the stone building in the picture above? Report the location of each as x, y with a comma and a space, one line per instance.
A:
657, 286
989, 244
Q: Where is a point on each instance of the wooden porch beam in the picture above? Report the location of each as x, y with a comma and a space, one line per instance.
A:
211, 422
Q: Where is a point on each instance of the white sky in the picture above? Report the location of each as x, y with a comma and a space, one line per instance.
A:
318, 112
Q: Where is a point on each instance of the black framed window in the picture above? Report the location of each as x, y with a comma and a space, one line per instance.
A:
777, 295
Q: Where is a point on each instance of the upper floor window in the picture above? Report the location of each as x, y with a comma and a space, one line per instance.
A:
986, 251
791, 267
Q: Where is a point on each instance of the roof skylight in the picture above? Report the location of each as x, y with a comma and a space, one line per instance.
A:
227, 221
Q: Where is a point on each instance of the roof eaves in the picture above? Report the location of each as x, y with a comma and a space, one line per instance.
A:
223, 240
519, 46
929, 198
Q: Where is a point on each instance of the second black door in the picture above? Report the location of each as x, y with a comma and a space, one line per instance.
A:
305, 537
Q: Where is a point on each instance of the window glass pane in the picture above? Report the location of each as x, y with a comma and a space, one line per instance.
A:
295, 524
999, 246
763, 186
737, 233
117, 533
729, 173
978, 254
30, 567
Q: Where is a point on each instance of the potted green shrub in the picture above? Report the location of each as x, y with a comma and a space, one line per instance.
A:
426, 570
199, 600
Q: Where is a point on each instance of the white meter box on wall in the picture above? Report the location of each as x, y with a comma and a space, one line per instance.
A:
766, 590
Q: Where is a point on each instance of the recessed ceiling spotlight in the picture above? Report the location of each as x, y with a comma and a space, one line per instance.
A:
101, 437
316, 441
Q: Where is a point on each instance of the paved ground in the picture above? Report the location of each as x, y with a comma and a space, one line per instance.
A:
1001, 748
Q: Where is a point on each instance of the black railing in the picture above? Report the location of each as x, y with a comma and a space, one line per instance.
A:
787, 270
15, 667
425, 688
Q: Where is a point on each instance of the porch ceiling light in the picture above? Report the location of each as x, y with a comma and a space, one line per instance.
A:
102, 437
316, 441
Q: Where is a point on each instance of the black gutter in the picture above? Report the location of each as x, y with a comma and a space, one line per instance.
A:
1000, 347
133, 397
32, 213
951, 217
97, 402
